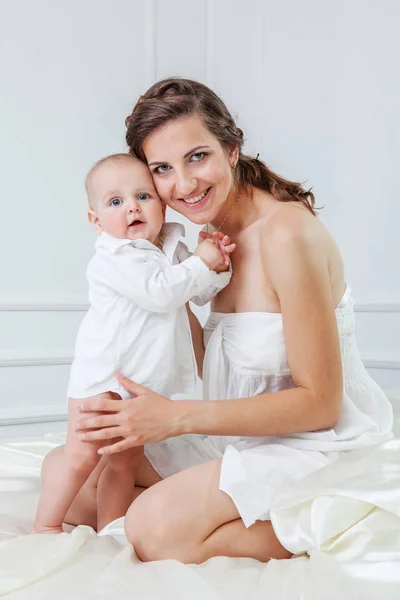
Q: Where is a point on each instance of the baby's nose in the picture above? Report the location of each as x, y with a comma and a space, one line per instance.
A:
133, 206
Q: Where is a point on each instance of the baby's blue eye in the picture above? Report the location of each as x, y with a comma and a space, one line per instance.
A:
116, 202
143, 197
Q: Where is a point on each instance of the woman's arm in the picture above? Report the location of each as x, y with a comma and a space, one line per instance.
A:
297, 268
197, 339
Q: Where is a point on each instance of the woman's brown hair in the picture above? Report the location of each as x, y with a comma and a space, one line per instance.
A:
176, 98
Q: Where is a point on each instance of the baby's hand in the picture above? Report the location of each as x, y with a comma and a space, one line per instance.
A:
210, 253
224, 243
219, 247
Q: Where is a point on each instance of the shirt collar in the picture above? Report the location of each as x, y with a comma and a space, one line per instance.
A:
170, 231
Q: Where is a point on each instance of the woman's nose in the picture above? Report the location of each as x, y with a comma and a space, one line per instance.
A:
185, 185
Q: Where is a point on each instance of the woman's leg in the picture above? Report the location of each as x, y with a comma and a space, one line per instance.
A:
188, 518
83, 510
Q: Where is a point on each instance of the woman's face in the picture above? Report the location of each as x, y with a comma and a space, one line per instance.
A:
191, 171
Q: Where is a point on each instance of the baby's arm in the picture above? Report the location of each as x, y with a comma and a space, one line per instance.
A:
218, 245
219, 280
223, 242
156, 287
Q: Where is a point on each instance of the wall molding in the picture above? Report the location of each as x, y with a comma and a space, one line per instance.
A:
43, 306
35, 361
28, 415
371, 361
261, 19
150, 55
81, 305
210, 43
380, 362
377, 307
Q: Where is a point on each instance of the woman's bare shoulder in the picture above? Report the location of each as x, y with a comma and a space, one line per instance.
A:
290, 221
292, 225
293, 235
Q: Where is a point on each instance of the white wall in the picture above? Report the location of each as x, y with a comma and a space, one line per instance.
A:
317, 88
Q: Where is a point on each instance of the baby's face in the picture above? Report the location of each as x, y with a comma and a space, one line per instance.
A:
124, 201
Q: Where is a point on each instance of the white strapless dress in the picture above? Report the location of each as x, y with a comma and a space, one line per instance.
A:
246, 356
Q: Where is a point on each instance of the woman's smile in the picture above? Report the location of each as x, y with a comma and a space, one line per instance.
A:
197, 202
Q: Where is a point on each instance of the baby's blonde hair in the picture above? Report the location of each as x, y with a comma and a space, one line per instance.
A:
113, 158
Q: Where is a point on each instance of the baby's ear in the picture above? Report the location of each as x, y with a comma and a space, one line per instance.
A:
94, 221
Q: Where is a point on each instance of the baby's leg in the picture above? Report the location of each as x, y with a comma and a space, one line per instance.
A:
64, 472
114, 491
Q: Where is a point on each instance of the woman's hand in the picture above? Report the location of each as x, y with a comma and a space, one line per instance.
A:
146, 417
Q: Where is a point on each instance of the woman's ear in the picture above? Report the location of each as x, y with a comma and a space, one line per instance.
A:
234, 156
94, 221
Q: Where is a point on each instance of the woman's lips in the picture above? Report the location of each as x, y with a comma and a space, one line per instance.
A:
198, 205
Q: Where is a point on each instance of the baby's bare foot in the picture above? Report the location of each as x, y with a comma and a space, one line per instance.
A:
44, 529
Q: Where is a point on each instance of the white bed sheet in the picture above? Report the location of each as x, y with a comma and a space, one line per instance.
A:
344, 520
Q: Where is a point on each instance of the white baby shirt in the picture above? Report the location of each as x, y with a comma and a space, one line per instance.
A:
137, 322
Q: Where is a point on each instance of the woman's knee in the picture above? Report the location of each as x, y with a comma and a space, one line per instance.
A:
147, 526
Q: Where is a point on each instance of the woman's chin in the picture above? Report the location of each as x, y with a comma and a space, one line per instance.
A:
197, 219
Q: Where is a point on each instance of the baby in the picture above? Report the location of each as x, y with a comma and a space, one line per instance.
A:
140, 280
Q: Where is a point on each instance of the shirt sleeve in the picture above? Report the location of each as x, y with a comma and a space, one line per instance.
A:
218, 281
153, 286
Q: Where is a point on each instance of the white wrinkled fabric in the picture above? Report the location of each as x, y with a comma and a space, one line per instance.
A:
344, 517
246, 356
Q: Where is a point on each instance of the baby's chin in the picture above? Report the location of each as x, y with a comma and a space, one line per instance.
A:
142, 235
136, 232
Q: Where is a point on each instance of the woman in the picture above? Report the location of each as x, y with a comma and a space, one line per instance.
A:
280, 348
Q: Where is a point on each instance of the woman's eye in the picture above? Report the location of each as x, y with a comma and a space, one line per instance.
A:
198, 156
162, 169
116, 202
143, 197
